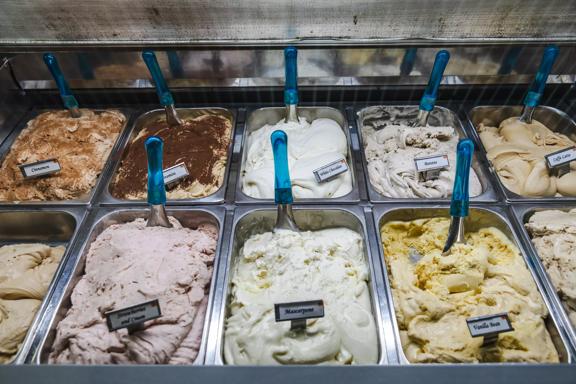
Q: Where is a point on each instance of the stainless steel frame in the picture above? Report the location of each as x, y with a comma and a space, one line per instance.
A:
99, 220
258, 219
440, 116
495, 216
106, 198
553, 118
521, 215
260, 117
48, 225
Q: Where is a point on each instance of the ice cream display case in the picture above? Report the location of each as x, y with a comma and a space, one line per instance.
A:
274, 191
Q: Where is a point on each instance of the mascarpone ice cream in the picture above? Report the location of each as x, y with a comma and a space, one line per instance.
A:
434, 295
129, 264
553, 234
310, 146
201, 143
517, 151
390, 150
26, 271
80, 145
286, 266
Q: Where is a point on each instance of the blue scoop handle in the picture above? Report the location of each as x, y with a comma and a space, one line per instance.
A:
282, 184
175, 64
291, 74
68, 98
408, 61
536, 89
161, 88
156, 189
431, 92
460, 193
509, 61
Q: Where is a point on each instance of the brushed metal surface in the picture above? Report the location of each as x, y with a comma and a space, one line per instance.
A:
51, 226
553, 118
120, 23
249, 221
495, 216
96, 223
440, 116
263, 116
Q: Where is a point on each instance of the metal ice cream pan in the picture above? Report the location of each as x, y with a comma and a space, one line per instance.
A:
522, 214
50, 226
88, 197
272, 115
144, 120
9, 119
553, 118
98, 221
439, 117
250, 221
478, 218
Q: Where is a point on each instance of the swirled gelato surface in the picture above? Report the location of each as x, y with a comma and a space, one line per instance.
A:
129, 264
553, 234
286, 266
26, 271
310, 146
434, 295
517, 151
81, 146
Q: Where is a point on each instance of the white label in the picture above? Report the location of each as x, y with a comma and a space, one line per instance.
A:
489, 325
299, 310
431, 163
134, 315
40, 168
175, 173
329, 171
562, 157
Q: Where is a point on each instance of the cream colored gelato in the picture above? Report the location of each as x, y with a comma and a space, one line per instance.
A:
553, 233
517, 151
435, 295
129, 264
81, 146
26, 271
390, 154
286, 266
310, 146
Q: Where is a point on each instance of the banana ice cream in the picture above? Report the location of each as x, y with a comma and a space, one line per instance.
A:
553, 234
434, 295
26, 271
285, 266
517, 151
80, 145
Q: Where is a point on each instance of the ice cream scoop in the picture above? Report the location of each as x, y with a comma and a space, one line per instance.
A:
156, 188
532, 98
291, 84
431, 92
162, 90
68, 98
460, 195
282, 186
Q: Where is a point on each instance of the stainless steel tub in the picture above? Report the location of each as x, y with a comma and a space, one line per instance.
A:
260, 117
522, 214
479, 218
51, 226
98, 221
440, 116
106, 197
87, 198
553, 118
252, 220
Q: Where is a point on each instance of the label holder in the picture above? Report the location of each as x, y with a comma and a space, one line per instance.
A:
114, 323
557, 166
331, 170
171, 180
53, 168
430, 172
502, 324
299, 312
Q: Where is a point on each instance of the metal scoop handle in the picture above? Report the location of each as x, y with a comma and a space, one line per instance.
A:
68, 98
282, 185
156, 189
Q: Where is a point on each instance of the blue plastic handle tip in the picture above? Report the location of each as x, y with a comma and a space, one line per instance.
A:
536, 89
291, 75
156, 189
431, 92
161, 87
282, 184
460, 192
65, 93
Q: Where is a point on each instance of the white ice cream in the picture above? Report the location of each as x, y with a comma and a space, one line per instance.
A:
310, 146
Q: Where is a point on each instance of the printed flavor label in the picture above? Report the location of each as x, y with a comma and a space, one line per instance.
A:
431, 163
560, 158
133, 316
40, 168
175, 173
489, 325
300, 310
330, 171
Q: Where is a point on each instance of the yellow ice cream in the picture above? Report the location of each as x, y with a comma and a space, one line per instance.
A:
434, 295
